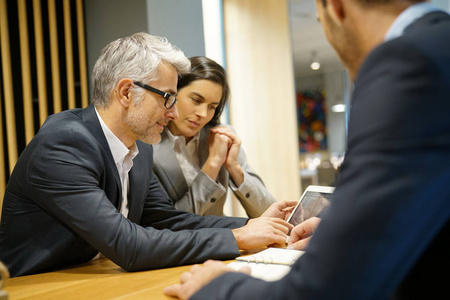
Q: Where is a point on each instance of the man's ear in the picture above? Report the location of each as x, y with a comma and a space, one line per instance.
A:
337, 10
123, 92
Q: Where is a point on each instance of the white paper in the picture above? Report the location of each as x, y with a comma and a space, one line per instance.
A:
270, 265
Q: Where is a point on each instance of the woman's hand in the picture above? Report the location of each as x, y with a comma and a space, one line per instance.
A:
231, 162
218, 145
234, 146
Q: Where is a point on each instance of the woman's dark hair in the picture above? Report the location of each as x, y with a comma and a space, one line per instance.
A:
205, 68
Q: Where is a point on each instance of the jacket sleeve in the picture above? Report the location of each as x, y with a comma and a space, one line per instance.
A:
252, 193
65, 175
159, 213
201, 194
199, 197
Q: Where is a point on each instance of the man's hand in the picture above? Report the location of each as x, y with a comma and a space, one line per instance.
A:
261, 232
198, 277
301, 234
281, 209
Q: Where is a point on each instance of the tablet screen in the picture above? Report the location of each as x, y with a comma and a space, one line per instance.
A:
312, 205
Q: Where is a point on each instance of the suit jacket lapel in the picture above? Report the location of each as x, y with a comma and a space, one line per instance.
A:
137, 178
164, 155
138, 173
89, 117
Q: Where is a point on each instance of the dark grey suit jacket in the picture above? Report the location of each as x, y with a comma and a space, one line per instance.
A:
61, 207
387, 232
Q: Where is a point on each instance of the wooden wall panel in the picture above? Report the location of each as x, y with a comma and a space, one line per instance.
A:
54, 56
26, 72
30, 88
69, 55
82, 54
8, 86
2, 159
40, 62
262, 108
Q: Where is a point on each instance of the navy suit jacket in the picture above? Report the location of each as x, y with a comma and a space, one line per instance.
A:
61, 207
386, 234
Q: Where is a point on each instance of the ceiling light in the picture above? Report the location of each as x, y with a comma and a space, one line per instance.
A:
315, 64
338, 108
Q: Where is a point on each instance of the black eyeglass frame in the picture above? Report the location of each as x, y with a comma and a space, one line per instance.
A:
165, 95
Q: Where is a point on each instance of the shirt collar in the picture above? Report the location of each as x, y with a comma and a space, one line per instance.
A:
181, 139
118, 149
407, 17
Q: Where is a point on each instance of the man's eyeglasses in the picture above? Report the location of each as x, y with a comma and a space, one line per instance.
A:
170, 100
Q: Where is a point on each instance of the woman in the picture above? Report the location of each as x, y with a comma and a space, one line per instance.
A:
197, 159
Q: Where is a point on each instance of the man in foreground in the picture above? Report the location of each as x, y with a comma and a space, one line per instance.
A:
84, 186
387, 233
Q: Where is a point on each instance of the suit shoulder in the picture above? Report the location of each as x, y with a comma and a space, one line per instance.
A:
66, 127
62, 120
144, 148
66, 115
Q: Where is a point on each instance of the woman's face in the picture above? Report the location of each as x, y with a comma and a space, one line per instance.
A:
197, 103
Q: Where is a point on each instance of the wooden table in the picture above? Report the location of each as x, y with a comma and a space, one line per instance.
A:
98, 279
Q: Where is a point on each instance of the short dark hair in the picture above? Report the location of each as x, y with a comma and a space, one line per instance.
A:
206, 68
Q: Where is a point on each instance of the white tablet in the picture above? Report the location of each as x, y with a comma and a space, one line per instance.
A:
312, 202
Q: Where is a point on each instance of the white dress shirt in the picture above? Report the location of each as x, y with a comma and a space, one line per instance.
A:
123, 157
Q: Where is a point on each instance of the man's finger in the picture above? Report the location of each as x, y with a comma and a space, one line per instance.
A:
172, 290
286, 204
300, 245
185, 276
282, 222
245, 270
195, 268
280, 227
